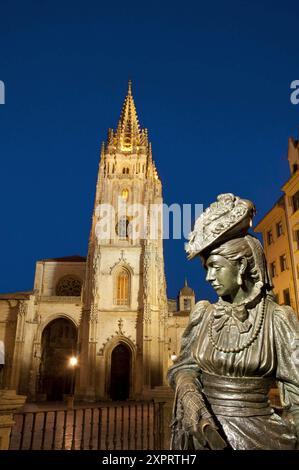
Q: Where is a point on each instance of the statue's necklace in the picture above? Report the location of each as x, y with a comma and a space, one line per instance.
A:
248, 342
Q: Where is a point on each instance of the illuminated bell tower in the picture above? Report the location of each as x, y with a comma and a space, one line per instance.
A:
122, 331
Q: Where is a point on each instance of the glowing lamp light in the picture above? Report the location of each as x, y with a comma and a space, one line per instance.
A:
73, 361
173, 357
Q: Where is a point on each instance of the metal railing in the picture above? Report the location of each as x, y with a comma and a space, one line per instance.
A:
135, 426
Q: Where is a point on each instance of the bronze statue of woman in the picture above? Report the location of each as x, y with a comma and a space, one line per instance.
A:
233, 351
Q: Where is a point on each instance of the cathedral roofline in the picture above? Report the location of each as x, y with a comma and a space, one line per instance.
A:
67, 259
16, 295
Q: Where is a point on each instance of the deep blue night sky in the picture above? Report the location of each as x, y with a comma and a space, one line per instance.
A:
211, 82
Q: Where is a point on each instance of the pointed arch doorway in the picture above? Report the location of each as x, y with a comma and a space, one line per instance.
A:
120, 375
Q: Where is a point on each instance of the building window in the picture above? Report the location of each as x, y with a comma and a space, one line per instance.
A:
269, 237
122, 227
122, 287
279, 230
283, 263
276, 298
286, 297
295, 201
273, 269
125, 194
297, 239
69, 286
187, 304
295, 167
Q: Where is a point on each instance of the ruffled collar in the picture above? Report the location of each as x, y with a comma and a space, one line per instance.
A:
231, 314
236, 314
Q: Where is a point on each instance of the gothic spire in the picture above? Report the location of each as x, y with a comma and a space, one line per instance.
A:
128, 130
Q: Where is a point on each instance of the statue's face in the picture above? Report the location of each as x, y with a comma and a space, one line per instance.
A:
222, 274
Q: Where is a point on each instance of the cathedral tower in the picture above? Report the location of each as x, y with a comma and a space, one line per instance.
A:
122, 330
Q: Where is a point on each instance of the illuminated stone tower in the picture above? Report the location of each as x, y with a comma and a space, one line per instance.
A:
122, 330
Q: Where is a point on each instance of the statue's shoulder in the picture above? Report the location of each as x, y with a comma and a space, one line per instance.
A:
195, 319
198, 311
281, 313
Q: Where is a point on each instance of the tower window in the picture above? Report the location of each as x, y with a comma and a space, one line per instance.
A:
69, 286
283, 263
187, 304
122, 227
125, 194
122, 287
269, 237
295, 168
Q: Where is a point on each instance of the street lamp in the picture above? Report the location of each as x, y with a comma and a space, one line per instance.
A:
73, 361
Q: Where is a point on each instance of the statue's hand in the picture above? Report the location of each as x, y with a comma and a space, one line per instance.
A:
199, 423
192, 406
209, 430
292, 415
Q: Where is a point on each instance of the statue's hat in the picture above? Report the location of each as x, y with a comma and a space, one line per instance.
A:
229, 217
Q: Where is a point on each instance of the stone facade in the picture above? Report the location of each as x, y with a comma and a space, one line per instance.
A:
109, 310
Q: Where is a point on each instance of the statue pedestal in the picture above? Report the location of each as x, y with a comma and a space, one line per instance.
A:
10, 402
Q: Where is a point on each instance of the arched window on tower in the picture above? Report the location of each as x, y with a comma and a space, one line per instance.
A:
122, 227
122, 287
125, 194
